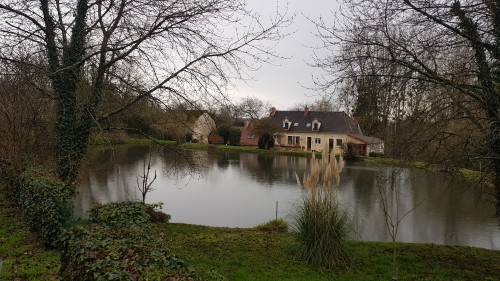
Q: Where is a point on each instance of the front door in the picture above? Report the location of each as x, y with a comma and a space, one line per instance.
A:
309, 140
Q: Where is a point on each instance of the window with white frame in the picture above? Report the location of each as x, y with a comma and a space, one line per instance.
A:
316, 124
339, 142
317, 141
287, 124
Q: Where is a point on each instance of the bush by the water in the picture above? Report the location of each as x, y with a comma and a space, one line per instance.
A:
230, 135
94, 252
265, 142
277, 225
46, 203
129, 213
117, 242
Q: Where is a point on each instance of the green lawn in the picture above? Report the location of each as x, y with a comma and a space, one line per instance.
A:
23, 256
246, 254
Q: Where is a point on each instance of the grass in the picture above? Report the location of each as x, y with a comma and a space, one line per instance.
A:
400, 163
477, 177
23, 255
146, 141
277, 225
469, 175
249, 254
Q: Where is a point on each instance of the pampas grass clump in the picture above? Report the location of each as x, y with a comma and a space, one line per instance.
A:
321, 225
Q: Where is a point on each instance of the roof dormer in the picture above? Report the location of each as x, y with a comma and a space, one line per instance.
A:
287, 124
316, 125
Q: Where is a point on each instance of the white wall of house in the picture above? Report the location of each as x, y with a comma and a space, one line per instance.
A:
202, 128
318, 141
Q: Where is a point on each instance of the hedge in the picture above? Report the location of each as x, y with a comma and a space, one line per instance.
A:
118, 242
46, 203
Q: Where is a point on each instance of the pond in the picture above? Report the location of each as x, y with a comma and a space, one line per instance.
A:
234, 189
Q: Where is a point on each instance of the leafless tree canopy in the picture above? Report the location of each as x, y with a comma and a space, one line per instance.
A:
182, 49
174, 47
427, 71
252, 107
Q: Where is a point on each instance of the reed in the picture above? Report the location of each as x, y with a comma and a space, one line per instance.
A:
321, 225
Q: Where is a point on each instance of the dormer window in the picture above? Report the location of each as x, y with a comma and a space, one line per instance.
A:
316, 124
287, 124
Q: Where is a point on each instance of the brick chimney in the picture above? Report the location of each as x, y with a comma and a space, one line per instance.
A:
306, 111
273, 111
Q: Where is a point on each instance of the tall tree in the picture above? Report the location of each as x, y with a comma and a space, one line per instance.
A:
165, 48
265, 128
252, 107
425, 39
322, 104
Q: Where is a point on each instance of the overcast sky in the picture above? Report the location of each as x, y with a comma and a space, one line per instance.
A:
286, 84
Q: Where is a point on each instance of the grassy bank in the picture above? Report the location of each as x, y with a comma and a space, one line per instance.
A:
472, 176
23, 255
246, 254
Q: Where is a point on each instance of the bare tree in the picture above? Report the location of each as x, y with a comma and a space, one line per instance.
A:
25, 118
146, 182
389, 182
252, 107
182, 49
324, 103
453, 46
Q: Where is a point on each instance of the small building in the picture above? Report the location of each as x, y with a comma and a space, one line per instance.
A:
313, 130
198, 124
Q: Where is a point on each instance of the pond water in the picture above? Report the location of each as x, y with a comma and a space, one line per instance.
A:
236, 189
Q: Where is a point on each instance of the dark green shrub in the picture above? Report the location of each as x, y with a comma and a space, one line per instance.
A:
122, 214
266, 142
95, 252
157, 216
230, 135
277, 225
224, 131
46, 203
234, 137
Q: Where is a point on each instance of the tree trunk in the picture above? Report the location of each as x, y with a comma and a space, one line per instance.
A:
72, 126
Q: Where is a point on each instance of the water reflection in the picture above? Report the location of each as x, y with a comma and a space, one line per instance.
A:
241, 189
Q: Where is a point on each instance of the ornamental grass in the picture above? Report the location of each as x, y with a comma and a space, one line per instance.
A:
320, 224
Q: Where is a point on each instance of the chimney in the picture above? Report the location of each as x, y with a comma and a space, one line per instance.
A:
273, 111
306, 111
